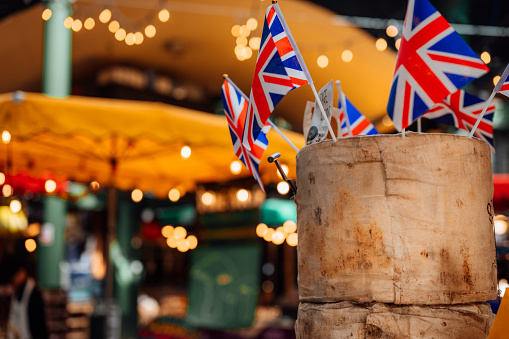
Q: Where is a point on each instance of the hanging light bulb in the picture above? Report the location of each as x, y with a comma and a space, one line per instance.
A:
136, 195
381, 44
15, 206
174, 195
185, 152
7, 190
46, 14
113, 26
322, 61
6, 137
50, 186
89, 23
150, 31
105, 16
392, 31
486, 57
164, 15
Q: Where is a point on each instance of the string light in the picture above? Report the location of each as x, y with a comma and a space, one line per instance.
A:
77, 25
174, 195
252, 23
242, 195
496, 78
381, 44
397, 43
130, 39
150, 31
185, 152
68, 22
7, 190
15, 206
486, 57
89, 23
105, 16
392, 31
94, 186
137, 195
6, 137
322, 61
30, 245
164, 15
283, 187
179, 233
138, 38
2, 178
254, 43
50, 186
347, 55
114, 26
235, 167
46, 14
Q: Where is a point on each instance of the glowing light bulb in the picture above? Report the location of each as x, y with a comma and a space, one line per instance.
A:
15, 206
46, 14
283, 187
6, 137
241, 40
167, 231
252, 23
500, 227
130, 39
285, 171
292, 239
164, 15
278, 237
486, 57
254, 43
138, 38
137, 195
105, 16
7, 190
242, 195
68, 22
244, 31
392, 31
192, 241
397, 43
150, 31
30, 245
50, 186
2, 178
496, 78
381, 44
208, 198
172, 242
89, 23
77, 25
235, 30
236, 167
289, 226
114, 26
120, 34
268, 234
347, 55
261, 229
179, 233
185, 152
322, 61
174, 195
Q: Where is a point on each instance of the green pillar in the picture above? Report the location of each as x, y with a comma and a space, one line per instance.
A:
56, 82
51, 247
56, 73
127, 282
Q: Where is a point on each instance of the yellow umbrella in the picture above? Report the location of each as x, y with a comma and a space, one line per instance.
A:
125, 144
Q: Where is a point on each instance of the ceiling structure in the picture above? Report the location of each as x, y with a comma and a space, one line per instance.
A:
196, 47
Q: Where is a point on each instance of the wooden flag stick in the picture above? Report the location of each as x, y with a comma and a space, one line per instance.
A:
403, 133
343, 104
283, 136
495, 91
323, 111
484, 110
419, 125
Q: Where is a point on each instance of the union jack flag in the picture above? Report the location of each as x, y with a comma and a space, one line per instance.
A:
433, 61
235, 108
279, 69
359, 125
461, 110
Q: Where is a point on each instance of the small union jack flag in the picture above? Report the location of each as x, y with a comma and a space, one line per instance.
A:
359, 124
461, 110
235, 108
279, 69
433, 61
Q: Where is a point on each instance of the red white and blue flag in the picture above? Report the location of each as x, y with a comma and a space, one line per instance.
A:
279, 69
235, 105
461, 110
433, 61
359, 124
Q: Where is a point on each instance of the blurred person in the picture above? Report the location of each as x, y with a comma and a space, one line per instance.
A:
27, 318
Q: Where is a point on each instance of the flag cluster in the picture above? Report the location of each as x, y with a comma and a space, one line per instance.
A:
235, 108
433, 61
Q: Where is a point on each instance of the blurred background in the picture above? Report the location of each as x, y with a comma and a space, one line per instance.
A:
120, 190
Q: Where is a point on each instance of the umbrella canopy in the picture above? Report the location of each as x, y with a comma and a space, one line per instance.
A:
125, 144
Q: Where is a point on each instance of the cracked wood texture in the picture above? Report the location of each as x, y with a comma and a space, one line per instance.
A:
396, 220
